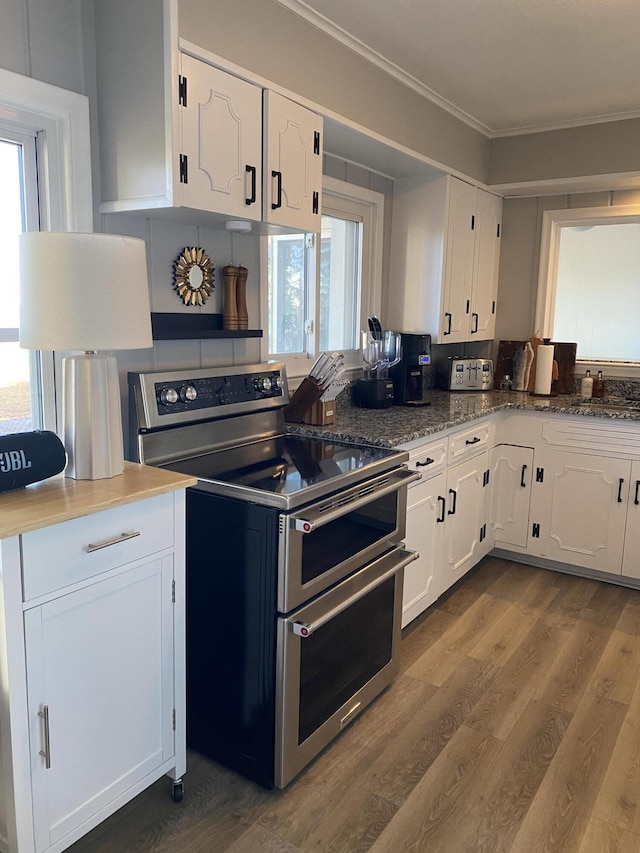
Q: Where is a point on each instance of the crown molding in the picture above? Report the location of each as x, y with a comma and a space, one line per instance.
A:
298, 7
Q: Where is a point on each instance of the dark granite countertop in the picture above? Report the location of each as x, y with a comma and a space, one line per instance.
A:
401, 424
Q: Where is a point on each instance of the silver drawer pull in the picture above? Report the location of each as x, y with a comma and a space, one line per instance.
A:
122, 538
46, 752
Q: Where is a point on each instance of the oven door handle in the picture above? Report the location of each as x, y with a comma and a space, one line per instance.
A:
305, 629
310, 519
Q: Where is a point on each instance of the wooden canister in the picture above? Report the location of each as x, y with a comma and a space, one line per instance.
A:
229, 299
241, 297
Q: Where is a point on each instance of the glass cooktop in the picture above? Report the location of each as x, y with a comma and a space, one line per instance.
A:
288, 470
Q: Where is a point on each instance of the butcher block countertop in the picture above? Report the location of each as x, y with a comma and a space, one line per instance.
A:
400, 425
60, 499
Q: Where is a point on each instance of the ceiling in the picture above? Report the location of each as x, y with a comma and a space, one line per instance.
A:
503, 66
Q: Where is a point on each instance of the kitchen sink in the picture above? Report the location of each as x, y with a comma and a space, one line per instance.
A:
619, 405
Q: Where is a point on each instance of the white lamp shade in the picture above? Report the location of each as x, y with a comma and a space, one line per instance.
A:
83, 292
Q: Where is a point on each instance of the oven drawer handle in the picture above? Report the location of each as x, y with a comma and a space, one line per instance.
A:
312, 520
305, 629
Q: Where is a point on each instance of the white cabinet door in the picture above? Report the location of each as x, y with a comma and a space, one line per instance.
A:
100, 694
423, 577
510, 489
465, 516
292, 164
221, 127
458, 263
631, 556
486, 264
578, 511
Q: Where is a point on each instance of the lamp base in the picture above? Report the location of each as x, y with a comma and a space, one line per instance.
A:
92, 418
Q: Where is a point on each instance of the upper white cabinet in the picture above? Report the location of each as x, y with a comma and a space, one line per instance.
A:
292, 164
178, 133
221, 141
445, 253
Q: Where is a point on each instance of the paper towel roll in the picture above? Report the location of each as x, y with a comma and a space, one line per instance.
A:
544, 369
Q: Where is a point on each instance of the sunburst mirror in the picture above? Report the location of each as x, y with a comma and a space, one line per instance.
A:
193, 276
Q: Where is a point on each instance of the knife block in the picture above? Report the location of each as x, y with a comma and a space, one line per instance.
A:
306, 395
321, 413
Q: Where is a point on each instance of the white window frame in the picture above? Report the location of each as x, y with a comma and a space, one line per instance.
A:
60, 121
341, 199
552, 223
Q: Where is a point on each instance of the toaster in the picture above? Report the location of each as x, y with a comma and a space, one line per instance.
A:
465, 374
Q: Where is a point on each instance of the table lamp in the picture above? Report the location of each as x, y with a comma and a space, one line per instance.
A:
86, 292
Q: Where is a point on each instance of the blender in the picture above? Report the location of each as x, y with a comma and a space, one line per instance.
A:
380, 351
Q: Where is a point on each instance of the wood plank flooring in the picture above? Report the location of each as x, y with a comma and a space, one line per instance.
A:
514, 727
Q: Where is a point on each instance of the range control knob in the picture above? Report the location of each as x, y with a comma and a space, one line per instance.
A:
188, 393
279, 382
263, 383
168, 396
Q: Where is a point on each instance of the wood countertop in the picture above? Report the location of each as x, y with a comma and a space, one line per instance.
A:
61, 499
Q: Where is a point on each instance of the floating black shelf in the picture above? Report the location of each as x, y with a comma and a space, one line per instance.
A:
174, 327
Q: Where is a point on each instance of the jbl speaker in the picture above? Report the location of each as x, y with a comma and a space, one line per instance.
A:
28, 457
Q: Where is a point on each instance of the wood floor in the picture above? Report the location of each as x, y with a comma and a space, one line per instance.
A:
514, 726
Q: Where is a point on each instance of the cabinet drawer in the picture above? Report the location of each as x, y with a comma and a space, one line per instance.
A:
73, 551
470, 441
428, 460
592, 436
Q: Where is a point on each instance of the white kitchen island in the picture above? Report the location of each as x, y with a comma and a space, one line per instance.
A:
92, 673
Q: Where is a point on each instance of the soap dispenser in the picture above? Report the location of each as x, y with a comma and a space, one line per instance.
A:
586, 385
598, 385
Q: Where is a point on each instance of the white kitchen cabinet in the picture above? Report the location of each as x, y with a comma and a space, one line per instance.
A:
445, 252
510, 490
92, 673
292, 164
425, 530
221, 141
578, 509
185, 138
631, 554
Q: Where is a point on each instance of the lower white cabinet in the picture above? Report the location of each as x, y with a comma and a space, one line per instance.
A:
579, 509
511, 473
92, 698
631, 554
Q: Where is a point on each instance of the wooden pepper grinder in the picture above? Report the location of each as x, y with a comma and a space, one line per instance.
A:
241, 297
230, 306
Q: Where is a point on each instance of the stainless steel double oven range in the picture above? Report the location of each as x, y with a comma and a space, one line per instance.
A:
294, 565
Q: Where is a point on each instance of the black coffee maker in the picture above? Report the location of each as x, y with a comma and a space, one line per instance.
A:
408, 375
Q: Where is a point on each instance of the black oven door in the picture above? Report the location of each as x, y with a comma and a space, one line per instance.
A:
325, 542
335, 655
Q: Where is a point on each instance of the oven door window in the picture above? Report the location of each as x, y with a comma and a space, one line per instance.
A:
343, 655
348, 535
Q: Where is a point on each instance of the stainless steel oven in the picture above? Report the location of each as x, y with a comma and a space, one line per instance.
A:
294, 565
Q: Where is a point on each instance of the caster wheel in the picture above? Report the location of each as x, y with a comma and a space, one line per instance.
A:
177, 791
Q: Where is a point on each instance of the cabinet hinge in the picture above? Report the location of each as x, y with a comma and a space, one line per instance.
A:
316, 202
184, 169
539, 475
173, 592
483, 532
473, 222
535, 531
316, 142
485, 478
468, 305
173, 721
493, 307
182, 90
498, 233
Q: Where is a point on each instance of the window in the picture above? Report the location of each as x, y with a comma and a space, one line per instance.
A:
589, 284
20, 396
318, 296
45, 175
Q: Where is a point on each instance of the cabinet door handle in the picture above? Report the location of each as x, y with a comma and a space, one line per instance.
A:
473, 331
46, 752
444, 506
424, 464
108, 542
636, 501
473, 440
448, 332
522, 482
278, 176
251, 170
620, 490
452, 511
